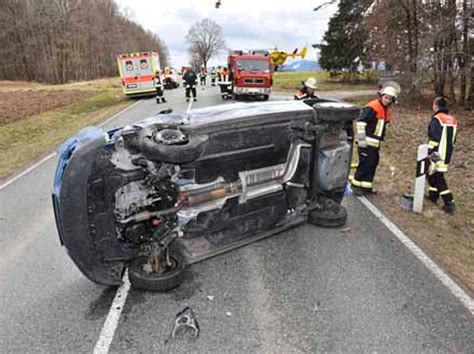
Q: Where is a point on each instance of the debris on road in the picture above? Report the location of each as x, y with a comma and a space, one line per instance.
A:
228, 313
210, 297
186, 318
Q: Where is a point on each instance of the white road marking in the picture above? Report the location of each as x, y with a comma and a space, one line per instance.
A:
455, 289
108, 330
24, 172
189, 105
43, 160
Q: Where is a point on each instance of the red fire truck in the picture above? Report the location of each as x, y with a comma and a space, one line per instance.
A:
251, 73
136, 71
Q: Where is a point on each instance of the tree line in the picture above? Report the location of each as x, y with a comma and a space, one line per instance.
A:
425, 43
56, 41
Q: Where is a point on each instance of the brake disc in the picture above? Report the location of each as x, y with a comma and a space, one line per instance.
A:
170, 137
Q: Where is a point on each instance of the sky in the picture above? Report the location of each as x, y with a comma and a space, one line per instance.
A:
246, 24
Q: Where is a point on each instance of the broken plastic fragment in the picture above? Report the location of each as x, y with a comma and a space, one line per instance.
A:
186, 318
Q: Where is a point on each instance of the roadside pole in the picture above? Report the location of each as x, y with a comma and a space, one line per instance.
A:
422, 166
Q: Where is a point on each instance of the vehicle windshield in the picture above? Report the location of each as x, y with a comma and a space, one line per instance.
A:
253, 66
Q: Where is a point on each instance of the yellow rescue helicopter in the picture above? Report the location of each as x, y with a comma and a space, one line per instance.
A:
279, 56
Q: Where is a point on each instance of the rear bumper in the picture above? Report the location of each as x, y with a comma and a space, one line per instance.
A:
252, 90
139, 92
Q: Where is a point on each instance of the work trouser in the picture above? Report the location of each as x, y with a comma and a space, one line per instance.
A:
159, 93
203, 80
224, 89
190, 89
368, 161
439, 187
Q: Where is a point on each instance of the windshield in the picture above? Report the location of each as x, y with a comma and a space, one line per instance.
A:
253, 66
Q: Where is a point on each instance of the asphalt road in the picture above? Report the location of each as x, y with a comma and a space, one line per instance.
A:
356, 289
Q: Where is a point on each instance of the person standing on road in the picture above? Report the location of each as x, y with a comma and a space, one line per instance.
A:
203, 75
370, 130
442, 132
157, 83
213, 76
308, 90
224, 81
190, 81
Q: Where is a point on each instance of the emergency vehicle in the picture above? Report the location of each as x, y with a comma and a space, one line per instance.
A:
251, 73
137, 71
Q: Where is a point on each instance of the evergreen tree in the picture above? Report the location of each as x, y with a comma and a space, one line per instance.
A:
345, 38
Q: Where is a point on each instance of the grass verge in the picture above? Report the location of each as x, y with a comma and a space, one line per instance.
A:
291, 81
448, 239
24, 140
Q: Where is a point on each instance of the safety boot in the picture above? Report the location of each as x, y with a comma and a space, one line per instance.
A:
449, 208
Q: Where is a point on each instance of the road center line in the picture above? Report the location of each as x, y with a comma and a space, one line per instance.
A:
455, 289
43, 160
189, 105
108, 330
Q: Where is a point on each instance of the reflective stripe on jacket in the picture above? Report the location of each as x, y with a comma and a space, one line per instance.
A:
373, 121
300, 95
442, 132
224, 79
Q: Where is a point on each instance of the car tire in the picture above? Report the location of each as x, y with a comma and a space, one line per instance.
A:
331, 215
171, 153
336, 195
159, 282
266, 97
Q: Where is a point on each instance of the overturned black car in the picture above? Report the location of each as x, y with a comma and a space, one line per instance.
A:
175, 189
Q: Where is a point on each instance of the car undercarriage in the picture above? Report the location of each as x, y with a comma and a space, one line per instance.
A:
177, 188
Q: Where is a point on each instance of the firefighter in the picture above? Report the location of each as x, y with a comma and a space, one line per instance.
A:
190, 81
203, 75
308, 90
225, 83
442, 131
213, 76
157, 82
370, 132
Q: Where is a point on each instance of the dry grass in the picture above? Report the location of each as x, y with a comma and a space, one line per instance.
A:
291, 81
31, 135
449, 239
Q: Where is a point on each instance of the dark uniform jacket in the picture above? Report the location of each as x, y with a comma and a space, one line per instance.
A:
374, 119
442, 132
301, 94
190, 78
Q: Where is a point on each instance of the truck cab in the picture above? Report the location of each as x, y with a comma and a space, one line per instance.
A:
251, 74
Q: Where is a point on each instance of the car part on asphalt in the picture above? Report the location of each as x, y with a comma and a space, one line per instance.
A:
186, 319
175, 189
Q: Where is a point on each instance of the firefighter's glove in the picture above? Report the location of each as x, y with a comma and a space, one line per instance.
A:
361, 139
435, 157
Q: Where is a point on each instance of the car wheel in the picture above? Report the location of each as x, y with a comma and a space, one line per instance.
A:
154, 281
171, 145
336, 195
266, 97
331, 214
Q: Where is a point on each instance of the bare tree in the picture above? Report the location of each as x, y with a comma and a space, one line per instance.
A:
206, 39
